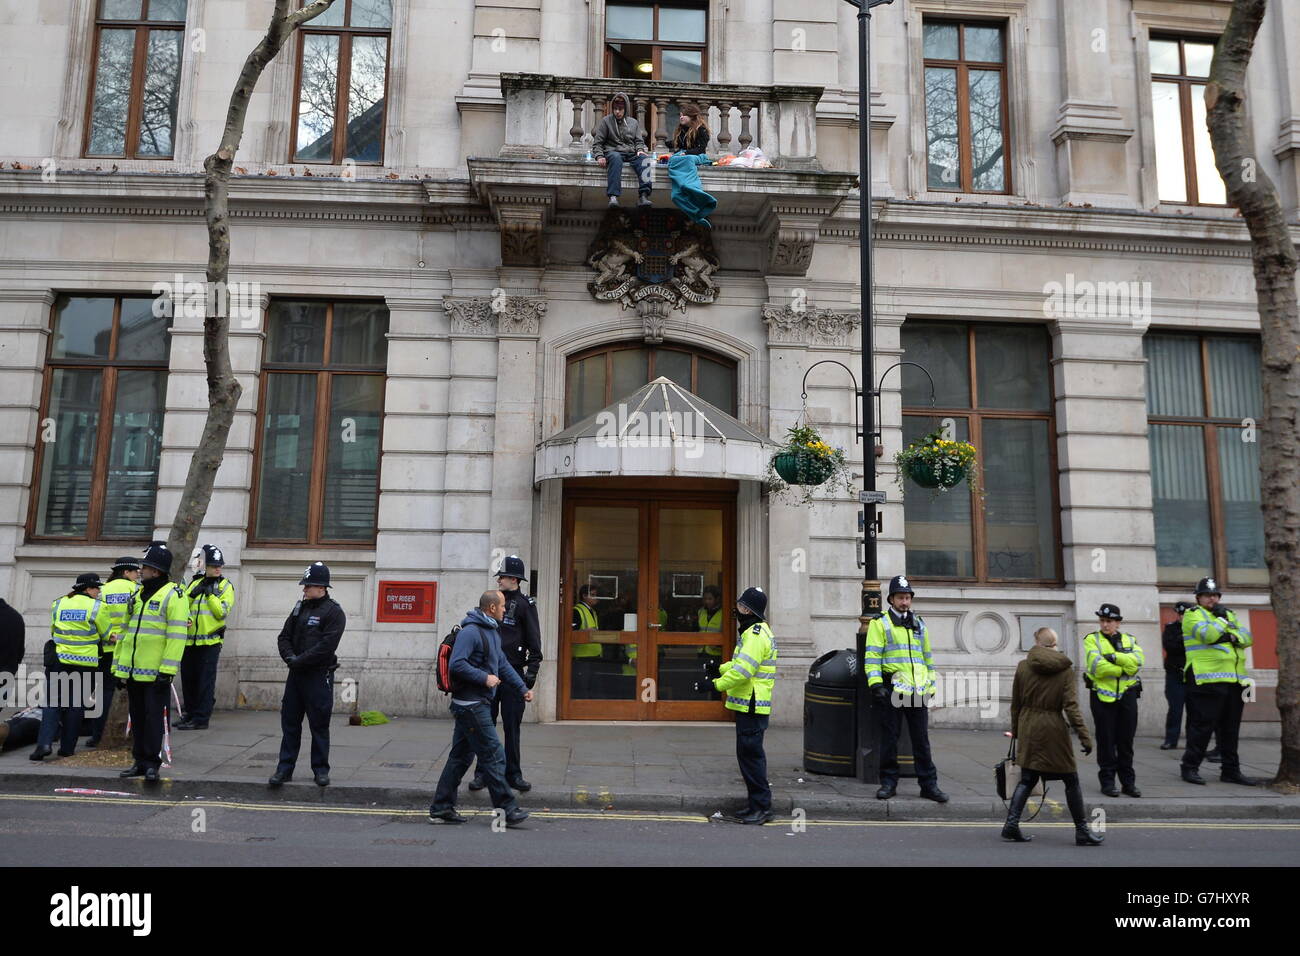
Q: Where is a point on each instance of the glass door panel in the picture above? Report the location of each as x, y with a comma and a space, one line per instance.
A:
693, 619
602, 660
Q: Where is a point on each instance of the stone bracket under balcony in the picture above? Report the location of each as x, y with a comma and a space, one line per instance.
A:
785, 207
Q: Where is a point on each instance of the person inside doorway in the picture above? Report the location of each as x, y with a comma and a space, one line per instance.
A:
709, 619
585, 655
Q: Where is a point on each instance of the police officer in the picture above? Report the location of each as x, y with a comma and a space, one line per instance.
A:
584, 655
307, 643
123, 582
148, 657
900, 675
1111, 661
212, 597
1171, 639
1216, 646
521, 640
746, 682
79, 626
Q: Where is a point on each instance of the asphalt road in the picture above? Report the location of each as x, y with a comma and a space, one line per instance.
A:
39, 830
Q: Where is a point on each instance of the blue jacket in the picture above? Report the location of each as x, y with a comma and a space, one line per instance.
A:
470, 666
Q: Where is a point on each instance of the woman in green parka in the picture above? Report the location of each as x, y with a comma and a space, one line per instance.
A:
1043, 697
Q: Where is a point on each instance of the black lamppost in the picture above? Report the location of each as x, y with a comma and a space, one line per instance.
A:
867, 759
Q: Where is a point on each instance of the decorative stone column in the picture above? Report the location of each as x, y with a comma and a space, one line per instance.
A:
25, 327
410, 539
1286, 34
1104, 468
1091, 137
802, 569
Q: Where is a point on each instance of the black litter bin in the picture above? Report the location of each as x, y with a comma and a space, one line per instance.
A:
829, 722
830, 719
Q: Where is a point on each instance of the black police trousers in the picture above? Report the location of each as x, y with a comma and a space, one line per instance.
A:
918, 726
147, 700
1116, 724
750, 729
1213, 709
309, 693
509, 706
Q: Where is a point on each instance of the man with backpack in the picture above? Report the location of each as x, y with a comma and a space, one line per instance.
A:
477, 669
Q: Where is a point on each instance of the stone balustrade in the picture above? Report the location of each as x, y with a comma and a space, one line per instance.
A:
554, 116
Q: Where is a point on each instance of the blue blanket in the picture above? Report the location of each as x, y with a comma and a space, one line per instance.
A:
688, 193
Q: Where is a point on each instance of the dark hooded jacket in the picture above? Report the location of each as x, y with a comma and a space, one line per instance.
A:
1043, 697
615, 135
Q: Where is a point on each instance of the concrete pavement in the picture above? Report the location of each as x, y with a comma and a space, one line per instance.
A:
666, 767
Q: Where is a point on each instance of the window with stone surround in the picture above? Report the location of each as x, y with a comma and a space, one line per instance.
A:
657, 41
135, 79
597, 378
965, 106
1203, 402
320, 422
993, 382
1185, 170
101, 424
340, 85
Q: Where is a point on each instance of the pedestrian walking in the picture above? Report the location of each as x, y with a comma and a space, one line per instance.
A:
121, 586
521, 643
619, 139
1043, 699
148, 658
212, 598
307, 644
79, 626
900, 676
746, 683
1112, 660
478, 670
1216, 643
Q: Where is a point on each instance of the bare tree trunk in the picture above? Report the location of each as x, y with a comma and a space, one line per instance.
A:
1274, 256
223, 388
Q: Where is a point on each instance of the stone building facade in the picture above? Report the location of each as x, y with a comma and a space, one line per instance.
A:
438, 228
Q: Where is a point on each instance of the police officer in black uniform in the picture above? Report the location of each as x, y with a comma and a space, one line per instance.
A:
521, 641
307, 643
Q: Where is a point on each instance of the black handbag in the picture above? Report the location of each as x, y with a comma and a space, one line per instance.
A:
1003, 771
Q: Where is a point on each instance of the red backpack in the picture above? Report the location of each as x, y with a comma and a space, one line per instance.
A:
444, 659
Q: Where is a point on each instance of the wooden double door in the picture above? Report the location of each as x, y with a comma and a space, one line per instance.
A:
655, 568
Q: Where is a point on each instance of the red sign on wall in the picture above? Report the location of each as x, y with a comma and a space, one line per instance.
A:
410, 602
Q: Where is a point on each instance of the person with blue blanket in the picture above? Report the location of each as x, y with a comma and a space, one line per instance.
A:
689, 143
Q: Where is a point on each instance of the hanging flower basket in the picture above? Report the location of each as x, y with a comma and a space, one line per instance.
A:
938, 463
804, 463
802, 468
942, 475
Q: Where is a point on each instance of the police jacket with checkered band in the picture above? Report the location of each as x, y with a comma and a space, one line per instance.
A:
521, 635
311, 635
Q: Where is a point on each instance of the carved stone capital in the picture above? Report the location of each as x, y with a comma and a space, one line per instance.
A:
654, 316
494, 316
811, 326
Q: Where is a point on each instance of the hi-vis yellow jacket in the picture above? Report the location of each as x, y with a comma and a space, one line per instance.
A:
748, 678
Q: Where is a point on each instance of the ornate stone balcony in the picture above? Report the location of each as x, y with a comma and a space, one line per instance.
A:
540, 167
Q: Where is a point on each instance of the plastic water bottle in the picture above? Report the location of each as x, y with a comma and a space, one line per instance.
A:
590, 158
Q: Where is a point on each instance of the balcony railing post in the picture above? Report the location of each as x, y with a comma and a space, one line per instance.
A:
661, 124
724, 126
746, 137
576, 131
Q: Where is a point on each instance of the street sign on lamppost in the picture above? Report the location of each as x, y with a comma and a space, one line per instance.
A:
867, 759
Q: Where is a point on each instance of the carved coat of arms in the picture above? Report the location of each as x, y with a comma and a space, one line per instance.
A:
658, 254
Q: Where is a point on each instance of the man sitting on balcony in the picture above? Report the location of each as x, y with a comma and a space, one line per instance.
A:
620, 139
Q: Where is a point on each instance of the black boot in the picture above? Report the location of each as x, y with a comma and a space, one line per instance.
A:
1083, 836
1011, 829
